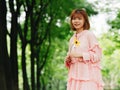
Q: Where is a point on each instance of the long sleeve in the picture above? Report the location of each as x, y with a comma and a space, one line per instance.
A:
94, 53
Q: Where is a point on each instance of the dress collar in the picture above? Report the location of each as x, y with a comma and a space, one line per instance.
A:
80, 33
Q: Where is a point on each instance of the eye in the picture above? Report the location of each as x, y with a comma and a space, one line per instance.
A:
73, 18
80, 18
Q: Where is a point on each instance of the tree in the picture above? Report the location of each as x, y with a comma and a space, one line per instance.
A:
42, 27
111, 52
6, 81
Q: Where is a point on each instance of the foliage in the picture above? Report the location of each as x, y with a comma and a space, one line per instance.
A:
39, 42
110, 43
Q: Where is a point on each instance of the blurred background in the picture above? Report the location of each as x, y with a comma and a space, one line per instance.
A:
34, 37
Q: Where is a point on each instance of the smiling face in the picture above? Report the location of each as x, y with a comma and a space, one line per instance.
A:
78, 21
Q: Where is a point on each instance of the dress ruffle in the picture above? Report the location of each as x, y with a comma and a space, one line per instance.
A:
86, 72
82, 72
94, 54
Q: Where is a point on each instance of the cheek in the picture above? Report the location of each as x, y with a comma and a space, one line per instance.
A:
72, 24
81, 21
72, 21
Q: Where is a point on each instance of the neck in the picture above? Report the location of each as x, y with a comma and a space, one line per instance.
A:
79, 30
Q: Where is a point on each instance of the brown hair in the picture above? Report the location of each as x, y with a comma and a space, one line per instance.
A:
77, 13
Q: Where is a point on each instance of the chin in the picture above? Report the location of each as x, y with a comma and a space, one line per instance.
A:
77, 28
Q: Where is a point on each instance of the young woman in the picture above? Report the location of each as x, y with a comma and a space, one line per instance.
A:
84, 55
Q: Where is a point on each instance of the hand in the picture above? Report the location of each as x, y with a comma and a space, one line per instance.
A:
68, 59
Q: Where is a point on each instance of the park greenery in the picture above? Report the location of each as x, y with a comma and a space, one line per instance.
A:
34, 37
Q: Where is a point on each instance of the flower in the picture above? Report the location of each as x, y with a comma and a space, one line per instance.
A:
76, 42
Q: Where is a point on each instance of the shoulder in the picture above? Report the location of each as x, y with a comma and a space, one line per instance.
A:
89, 33
91, 36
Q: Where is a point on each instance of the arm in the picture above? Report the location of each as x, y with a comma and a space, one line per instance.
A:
94, 53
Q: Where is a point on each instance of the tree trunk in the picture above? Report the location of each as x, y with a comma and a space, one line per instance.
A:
13, 44
24, 43
6, 82
32, 44
38, 73
25, 79
2, 76
13, 51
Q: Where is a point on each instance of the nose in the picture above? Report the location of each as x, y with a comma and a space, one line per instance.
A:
76, 20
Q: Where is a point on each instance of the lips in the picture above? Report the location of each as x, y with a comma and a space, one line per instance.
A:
76, 25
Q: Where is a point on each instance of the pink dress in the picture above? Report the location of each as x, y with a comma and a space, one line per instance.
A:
85, 74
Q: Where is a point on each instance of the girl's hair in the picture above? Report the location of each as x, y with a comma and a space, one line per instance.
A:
76, 14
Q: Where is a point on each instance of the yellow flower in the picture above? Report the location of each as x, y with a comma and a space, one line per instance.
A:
76, 42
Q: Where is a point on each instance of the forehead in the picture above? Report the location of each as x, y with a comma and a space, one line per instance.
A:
77, 15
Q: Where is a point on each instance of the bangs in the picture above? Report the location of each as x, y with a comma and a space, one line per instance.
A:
77, 15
